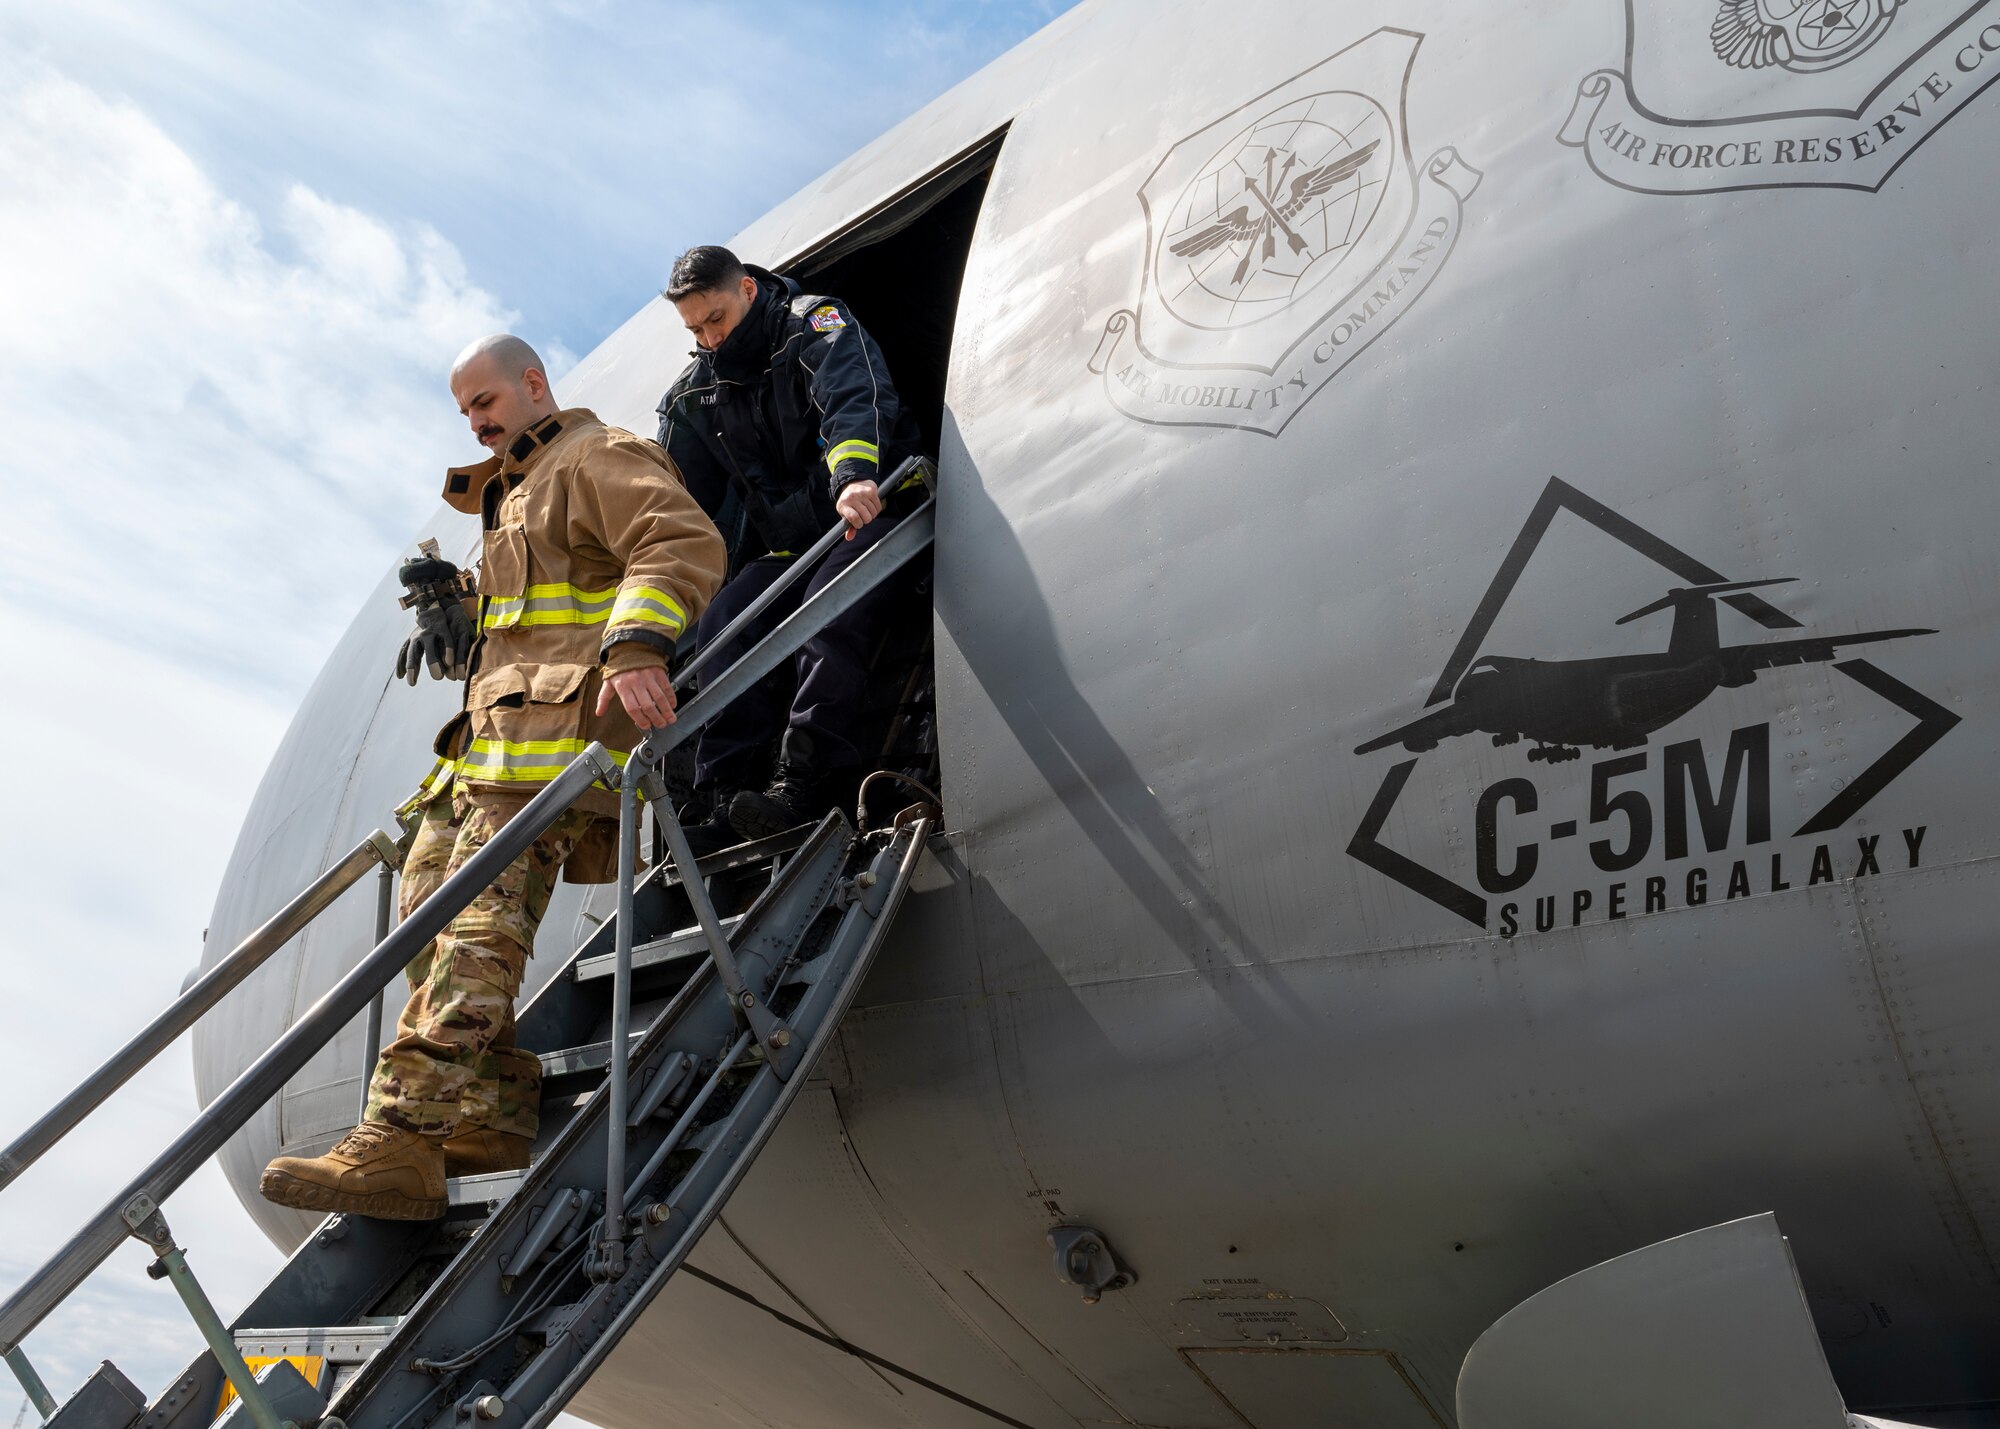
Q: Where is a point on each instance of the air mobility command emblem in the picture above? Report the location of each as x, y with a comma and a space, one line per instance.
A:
1282, 240
1766, 94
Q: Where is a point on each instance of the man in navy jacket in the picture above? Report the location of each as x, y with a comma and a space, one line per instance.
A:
781, 425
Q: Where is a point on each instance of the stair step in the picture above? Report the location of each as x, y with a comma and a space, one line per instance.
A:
744, 855
328, 1355
688, 943
588, 1060
334, 1342
479, 1193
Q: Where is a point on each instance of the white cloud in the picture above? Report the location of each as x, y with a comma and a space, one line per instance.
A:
569, 150
218, 433
115, 838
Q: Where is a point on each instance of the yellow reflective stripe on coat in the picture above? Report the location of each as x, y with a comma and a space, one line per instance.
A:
443, 774
524, 761
655, 607
556, 604
858, 450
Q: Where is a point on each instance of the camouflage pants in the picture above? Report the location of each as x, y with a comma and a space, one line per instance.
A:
453, 1065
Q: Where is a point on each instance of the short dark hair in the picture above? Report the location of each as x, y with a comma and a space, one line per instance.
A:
707, 269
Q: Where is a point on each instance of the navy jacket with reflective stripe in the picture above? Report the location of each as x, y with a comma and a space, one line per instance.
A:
795, 404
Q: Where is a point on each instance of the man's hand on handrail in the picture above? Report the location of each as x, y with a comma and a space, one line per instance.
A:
860, 502
647, 694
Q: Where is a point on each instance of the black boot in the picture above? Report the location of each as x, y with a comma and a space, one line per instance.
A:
800, 792
710, 831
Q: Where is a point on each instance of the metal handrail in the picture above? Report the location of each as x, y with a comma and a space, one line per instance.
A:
607, 1258
57, 1279
265, 1077
834, 599
912, 467
371, 1032
187, 1009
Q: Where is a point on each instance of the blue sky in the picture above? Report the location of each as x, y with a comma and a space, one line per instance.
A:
239, 245
566, 149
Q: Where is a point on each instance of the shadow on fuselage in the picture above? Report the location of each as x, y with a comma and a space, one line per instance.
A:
1019, 667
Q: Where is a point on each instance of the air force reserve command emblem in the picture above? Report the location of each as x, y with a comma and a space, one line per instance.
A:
1282, 240
1765, 94
1804, 38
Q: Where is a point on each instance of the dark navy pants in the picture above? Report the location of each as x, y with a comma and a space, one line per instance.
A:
822, 693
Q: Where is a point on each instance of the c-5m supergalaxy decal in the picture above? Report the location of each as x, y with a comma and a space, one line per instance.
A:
1687, 809
1765, 94
1282, 240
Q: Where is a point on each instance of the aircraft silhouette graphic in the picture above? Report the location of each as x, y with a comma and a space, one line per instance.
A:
1617, 701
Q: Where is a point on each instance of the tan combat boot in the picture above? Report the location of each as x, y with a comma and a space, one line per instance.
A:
375, 1170
479, 1151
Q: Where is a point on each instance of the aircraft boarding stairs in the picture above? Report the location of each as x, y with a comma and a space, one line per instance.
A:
496, 1314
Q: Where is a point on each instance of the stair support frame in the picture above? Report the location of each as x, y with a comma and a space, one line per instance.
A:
548, 1384
31, 1382
149, 1227
608, 1255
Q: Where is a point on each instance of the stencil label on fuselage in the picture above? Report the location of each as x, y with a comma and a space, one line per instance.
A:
1694, 817
1759, 94
1282, 240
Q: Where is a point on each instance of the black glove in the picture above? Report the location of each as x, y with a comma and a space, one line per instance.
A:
444, 636
421, 571
443, 640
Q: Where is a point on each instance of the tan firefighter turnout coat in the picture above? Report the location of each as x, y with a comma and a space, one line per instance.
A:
595, 560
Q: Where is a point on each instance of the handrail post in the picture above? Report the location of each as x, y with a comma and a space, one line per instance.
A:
607, 1257
771, 1034
44, 1402
371, 1036
149, 1227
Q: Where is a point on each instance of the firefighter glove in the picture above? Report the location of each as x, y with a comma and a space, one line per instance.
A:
442, 640
445, 634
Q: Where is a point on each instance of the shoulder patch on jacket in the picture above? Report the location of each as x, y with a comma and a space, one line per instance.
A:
826, 318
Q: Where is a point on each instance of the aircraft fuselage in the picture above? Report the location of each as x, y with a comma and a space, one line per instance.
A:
1589, 311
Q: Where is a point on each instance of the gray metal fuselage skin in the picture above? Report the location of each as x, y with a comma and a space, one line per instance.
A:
1349, 1053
